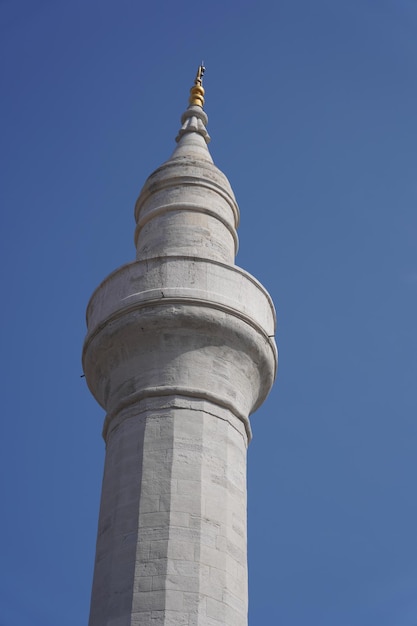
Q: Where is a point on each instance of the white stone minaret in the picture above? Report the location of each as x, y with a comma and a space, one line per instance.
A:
179, 351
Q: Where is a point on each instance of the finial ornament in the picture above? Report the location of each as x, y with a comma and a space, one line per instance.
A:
194, 118
197, 91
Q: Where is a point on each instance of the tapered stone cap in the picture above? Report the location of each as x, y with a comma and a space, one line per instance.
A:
187, 206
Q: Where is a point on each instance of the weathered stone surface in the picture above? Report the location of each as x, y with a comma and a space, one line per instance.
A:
148, 560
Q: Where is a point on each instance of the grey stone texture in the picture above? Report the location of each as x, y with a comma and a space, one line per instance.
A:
171, 542
179, 351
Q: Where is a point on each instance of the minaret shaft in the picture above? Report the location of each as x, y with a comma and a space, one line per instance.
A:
171, 543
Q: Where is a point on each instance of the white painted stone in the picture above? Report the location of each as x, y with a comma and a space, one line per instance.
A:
179, 351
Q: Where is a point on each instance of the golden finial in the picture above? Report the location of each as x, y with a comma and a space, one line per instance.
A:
197, 91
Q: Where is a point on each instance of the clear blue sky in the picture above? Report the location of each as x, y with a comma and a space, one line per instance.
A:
313, 116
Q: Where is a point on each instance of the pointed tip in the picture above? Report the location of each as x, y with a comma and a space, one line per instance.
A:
197, 91
194, 119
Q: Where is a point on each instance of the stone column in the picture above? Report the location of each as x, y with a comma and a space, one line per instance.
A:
179, 352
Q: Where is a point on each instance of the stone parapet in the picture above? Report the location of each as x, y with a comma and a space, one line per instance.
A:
182, 326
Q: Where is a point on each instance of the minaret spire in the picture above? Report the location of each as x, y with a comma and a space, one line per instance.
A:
194, 119
197, 91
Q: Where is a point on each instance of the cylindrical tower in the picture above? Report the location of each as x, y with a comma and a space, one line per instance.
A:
179, 351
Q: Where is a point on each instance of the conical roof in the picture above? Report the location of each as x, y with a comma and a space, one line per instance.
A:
187, 206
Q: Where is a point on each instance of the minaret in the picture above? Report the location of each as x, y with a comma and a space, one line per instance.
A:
179, 351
